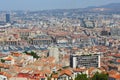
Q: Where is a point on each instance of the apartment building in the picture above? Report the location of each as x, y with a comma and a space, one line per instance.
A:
85, 60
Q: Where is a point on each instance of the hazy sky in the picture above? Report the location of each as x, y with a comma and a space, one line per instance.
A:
50, 4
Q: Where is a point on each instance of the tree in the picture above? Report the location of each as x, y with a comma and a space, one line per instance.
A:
32, 54
100, 76
48, 78
81, 77
25, 52
2, 60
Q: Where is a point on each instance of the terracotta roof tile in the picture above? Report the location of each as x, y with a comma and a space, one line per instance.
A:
117, 76
9, 58
55, 76
79, 70
66, 71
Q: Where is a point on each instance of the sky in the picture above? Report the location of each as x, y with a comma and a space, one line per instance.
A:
50, 4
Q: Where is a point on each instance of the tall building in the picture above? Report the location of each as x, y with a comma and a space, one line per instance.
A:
115, 32
86, 60
88, 24
54, 52
7, 18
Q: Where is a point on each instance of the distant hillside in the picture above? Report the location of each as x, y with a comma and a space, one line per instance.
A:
109, 9
113, 7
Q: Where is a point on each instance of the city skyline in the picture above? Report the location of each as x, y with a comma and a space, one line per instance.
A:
60, 40
51, 4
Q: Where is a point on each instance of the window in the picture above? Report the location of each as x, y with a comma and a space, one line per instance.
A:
4, 79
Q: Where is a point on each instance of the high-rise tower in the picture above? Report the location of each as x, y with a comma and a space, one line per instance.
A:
7, 18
